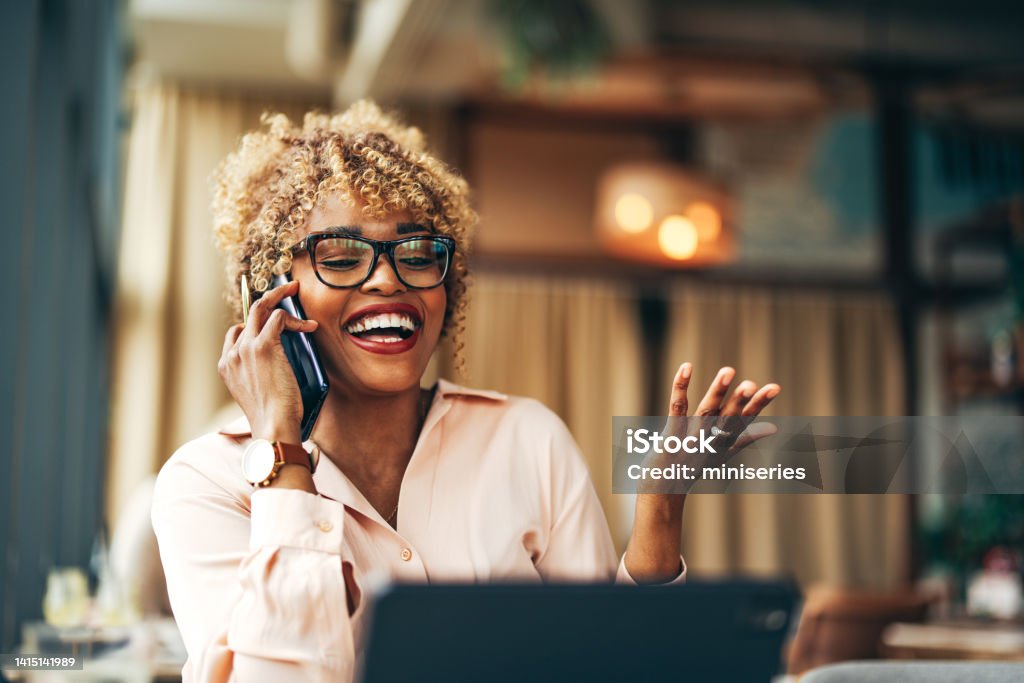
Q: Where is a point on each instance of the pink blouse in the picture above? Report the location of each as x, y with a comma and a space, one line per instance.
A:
259, 581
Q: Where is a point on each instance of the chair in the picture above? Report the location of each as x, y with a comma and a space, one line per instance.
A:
839, 625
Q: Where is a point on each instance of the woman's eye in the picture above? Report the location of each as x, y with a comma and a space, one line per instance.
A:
418, 261
340, 263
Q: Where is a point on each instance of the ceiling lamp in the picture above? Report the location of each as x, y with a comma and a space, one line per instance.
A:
663, 214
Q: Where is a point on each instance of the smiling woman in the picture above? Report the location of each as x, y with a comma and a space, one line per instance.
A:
416, 484
266, 191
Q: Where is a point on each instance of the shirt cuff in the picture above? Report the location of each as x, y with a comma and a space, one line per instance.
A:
295, 519
622, 575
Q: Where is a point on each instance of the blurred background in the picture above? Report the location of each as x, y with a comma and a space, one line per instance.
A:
824, 194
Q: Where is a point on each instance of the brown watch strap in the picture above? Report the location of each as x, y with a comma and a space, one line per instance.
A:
292, 454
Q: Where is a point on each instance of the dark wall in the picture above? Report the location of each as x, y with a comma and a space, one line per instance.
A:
60, 68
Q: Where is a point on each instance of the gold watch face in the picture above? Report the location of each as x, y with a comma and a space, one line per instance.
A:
258, 461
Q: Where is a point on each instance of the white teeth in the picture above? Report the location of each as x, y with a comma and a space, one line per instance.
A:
381, 320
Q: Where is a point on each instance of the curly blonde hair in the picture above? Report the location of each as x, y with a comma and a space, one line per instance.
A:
264, 191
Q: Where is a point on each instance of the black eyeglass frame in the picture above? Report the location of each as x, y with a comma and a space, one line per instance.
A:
386, 247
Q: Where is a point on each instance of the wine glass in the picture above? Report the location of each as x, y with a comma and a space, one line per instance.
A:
66, 603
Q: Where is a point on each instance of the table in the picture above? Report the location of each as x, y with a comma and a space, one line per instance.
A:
150, 651
959, 639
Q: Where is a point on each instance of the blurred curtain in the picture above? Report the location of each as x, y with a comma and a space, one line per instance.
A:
574, 345
834, 354
170, 312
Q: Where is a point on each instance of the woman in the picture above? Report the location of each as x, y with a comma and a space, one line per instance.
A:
446, 483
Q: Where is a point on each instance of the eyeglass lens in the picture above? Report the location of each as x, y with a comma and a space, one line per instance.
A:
346, 262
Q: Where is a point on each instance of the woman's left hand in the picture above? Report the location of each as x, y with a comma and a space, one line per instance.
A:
652, 555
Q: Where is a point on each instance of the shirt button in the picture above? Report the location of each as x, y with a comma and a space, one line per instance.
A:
325, 526
406, 554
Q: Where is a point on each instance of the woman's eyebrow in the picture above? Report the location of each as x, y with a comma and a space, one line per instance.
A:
405, 228
343, 230
402, 229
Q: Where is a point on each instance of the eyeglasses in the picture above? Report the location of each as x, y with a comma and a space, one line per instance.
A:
344, 261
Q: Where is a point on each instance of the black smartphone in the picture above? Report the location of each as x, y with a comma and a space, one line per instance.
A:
305, 361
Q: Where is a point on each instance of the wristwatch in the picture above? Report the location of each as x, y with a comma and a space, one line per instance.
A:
263, 459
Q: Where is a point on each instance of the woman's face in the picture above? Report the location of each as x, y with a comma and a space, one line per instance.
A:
359, 355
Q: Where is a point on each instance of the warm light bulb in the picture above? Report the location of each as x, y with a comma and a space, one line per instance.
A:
677, 237
706, 219
633, 212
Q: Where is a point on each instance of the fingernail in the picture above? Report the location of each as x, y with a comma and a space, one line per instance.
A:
747, 391
727, 375
687, 369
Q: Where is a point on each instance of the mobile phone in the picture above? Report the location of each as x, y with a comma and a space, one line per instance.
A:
305, 361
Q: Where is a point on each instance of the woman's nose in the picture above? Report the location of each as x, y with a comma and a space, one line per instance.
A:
383, 280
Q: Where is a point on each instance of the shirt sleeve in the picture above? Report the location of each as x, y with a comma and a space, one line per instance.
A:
576, 545
260, 597
579, 546
622, 575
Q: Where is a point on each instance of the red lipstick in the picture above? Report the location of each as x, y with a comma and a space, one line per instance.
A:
385, 348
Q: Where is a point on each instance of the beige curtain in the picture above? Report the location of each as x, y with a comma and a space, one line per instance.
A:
575, 345
171, 315
572, 344
833, 354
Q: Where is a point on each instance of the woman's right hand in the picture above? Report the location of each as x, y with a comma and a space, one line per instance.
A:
257, 372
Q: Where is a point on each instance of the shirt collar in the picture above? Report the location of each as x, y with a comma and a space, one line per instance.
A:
448, 389
239, 428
